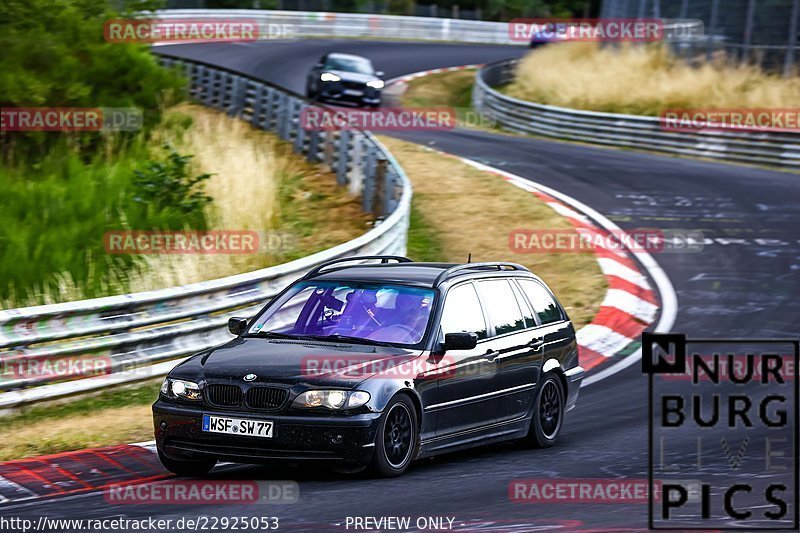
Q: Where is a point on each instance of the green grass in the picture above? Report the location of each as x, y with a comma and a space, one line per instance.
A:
140, 394
448, 89
423, 243
54, 213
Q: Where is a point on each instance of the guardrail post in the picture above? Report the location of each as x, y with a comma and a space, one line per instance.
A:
313, 146
356, 177
370, 187
258, 106
788, 64
219, 81
328, 154
382, 180
713, 30
236, 103
299, 131
269, 109
748, 30
343, 157
201, 84
283, 116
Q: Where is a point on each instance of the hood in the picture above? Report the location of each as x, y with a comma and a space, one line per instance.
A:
292, 361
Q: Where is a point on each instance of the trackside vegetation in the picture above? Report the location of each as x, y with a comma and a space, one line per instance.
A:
186, 169
59, 189
644, 80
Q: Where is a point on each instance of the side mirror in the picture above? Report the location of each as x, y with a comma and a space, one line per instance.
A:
460, 341
237, 326
319, 65
379, 73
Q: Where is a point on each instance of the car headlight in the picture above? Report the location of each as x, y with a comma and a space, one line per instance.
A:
332, 399
179, 388
375, 84
329, 76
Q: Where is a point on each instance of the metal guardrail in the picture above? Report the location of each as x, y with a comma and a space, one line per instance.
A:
304, 24
136, 333
779, 149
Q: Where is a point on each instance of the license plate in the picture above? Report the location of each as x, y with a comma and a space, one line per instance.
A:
238, 426
353, 92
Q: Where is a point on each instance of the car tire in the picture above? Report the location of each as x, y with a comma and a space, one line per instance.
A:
548, 412
187, 468
396, 439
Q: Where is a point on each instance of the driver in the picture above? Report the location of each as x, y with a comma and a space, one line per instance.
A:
407, 321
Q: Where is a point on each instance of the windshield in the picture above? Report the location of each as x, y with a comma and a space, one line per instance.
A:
393, 314
362, 66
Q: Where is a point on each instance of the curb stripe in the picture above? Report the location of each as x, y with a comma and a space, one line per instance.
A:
615, 282
602, 339
621, 322
630, 304
591, 359
611, 267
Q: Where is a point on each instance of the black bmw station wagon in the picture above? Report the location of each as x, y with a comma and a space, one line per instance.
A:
377, 364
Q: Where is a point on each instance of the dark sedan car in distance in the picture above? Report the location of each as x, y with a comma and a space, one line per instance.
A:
345, 78
377, 364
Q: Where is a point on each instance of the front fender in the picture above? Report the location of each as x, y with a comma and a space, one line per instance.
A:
381, 392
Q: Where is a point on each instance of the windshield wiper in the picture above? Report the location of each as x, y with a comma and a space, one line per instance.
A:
350, 338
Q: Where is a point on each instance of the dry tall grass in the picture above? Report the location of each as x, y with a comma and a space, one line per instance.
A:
248, 167
643, 80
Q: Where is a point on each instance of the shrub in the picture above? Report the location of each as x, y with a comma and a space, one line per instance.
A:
55, 55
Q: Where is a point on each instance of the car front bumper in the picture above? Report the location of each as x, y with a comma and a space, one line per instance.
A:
347, 439
337, 92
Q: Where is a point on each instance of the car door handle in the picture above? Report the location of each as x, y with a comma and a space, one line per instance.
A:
536, 344
491, 355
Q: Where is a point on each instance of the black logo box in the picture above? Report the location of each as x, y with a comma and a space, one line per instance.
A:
671, 358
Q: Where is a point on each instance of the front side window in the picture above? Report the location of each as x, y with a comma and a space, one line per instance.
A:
462, 312
501, 305
392, 314
543, 303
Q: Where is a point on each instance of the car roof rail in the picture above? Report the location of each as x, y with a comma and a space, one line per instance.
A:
384, 260
492, 265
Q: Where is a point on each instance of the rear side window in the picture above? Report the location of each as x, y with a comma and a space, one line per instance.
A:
527, 312
462, 312
501, 306
543, 304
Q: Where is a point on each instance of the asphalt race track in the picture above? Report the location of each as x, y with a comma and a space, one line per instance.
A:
744, 283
